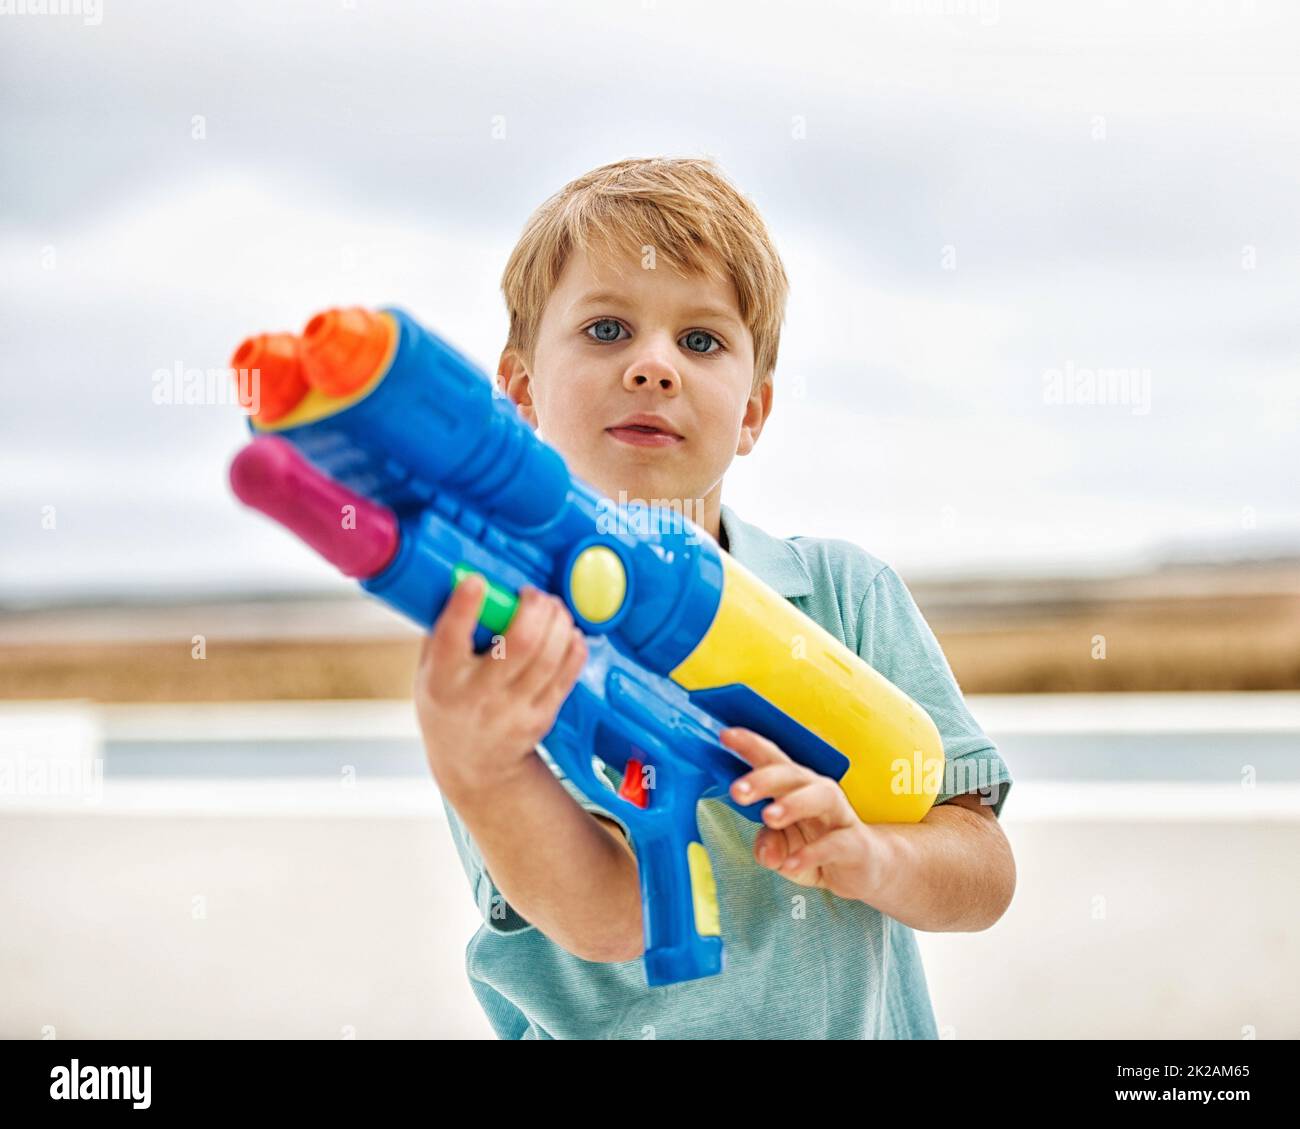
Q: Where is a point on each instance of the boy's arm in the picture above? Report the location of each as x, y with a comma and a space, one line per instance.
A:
955, 869
615, 830
568, 872
952, 872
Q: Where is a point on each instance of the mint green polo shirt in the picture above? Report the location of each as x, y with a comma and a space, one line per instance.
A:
800, 962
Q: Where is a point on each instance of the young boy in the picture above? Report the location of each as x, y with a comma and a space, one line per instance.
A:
646, 301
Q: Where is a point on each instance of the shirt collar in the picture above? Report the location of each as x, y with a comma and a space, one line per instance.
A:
774, 561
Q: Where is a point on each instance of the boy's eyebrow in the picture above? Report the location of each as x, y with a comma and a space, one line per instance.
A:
598, 297
601, 297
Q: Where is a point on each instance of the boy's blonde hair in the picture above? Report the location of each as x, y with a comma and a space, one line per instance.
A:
683, 208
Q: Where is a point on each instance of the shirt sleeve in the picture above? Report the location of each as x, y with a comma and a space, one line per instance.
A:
498, 914
895, 639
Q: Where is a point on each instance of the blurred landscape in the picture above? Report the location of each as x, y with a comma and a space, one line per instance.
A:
1184, 625
221, 799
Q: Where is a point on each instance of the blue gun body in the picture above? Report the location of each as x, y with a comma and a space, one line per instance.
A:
474, 489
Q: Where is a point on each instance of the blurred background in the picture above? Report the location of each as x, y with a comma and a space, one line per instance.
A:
1041, 355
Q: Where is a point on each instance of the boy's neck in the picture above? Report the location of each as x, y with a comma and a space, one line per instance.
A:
712, 517
708, 515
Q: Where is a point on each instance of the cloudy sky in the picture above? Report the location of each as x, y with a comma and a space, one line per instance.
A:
974, 200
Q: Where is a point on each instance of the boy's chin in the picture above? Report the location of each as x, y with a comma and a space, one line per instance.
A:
633, 487
635, 479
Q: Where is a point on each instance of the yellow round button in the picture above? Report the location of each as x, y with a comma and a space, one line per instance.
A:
598, 583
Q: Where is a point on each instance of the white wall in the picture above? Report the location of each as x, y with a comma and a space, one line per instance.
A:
321, 917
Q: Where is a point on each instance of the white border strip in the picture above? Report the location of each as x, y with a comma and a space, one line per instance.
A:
226, 797
1257, 712
1149, 801
191, 722
1228, 712
287, 797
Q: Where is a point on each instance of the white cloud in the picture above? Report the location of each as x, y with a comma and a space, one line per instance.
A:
348, 156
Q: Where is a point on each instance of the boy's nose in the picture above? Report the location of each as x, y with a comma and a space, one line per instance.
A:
650, 372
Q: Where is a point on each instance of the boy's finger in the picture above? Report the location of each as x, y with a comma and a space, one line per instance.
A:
552, 694
841, 845
451, 642
770, 848
756, 749
540, 670
771, 780
525, 636
820, 798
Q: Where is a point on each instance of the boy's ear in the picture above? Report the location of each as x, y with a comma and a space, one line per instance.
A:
757, 410
514, 382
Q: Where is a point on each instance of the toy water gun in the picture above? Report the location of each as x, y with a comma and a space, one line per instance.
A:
392, 456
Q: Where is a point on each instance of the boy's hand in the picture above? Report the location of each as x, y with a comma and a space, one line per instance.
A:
811, 834
481, 715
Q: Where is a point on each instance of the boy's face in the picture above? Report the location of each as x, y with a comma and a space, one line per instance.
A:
620, 341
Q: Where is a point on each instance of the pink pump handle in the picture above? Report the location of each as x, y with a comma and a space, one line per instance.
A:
272, 476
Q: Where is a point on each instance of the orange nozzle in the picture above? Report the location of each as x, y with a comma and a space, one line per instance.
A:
268, 370
343, 349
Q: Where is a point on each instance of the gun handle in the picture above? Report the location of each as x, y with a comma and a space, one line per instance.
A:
679, 900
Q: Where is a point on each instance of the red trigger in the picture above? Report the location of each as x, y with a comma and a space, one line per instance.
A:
633, 786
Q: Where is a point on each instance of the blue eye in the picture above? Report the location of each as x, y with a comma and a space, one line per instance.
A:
698, 341
603, 329
701, 337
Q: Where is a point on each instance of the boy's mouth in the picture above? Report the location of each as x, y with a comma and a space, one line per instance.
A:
644, 432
